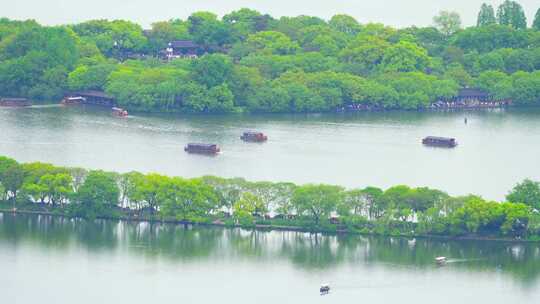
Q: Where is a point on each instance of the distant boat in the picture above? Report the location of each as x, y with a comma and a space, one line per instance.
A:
202, 148
14, 102
254, 136
73, 100
437, 141
119, 112
440, 260
325, 288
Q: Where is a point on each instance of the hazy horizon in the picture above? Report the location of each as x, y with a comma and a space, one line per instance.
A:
390, 12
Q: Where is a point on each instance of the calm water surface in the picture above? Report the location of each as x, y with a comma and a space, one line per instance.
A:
497, 148
54, 260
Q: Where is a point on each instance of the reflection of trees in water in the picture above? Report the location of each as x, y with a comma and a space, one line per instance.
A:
304, 250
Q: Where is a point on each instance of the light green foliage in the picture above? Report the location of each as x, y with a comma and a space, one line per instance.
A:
317, 201
187, 200
498, 83
254, 63
447, 22
98, 194
400, 210
245, 22
345, 24
404, 56
208, 31
270, 43
11, 177
459, 75
511, 13
90, 77
34, 62
364, 54
486, 16
247, 206
115, 38
526, 192
526, 88
211, 70
164, 32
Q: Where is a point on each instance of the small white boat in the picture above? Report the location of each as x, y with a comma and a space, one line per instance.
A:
440, 260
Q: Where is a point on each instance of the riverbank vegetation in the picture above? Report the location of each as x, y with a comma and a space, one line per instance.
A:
399, 210
248, 61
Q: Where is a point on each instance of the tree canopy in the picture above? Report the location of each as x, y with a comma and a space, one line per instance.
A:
247, 61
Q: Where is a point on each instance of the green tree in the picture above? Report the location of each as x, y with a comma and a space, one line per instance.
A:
511, 13
90, 77
98, 194
208, 31
404, 57
317, 201
536, 22
186, 200
486, 16
526, 192
447, 22
12, 180
246, 207
58, 187
345, 24
212, 70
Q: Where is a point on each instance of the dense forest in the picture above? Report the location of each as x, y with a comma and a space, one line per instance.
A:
399, 210
248, 61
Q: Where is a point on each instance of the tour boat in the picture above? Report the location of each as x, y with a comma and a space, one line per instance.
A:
254, 136
440, 141
202, 148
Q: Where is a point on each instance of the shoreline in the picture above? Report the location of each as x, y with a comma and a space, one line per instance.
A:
271, 227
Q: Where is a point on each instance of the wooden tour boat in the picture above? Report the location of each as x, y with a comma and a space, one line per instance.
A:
202, 148
254, 136
439, 141
119, 112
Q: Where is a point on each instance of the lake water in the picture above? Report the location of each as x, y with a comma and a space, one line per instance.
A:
496, 148
55, 260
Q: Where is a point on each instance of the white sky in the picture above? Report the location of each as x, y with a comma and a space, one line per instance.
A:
398, 13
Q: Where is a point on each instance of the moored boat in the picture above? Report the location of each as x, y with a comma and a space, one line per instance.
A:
440, 260
14, 102
436, 141
253, 136
202, 148
73, 100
